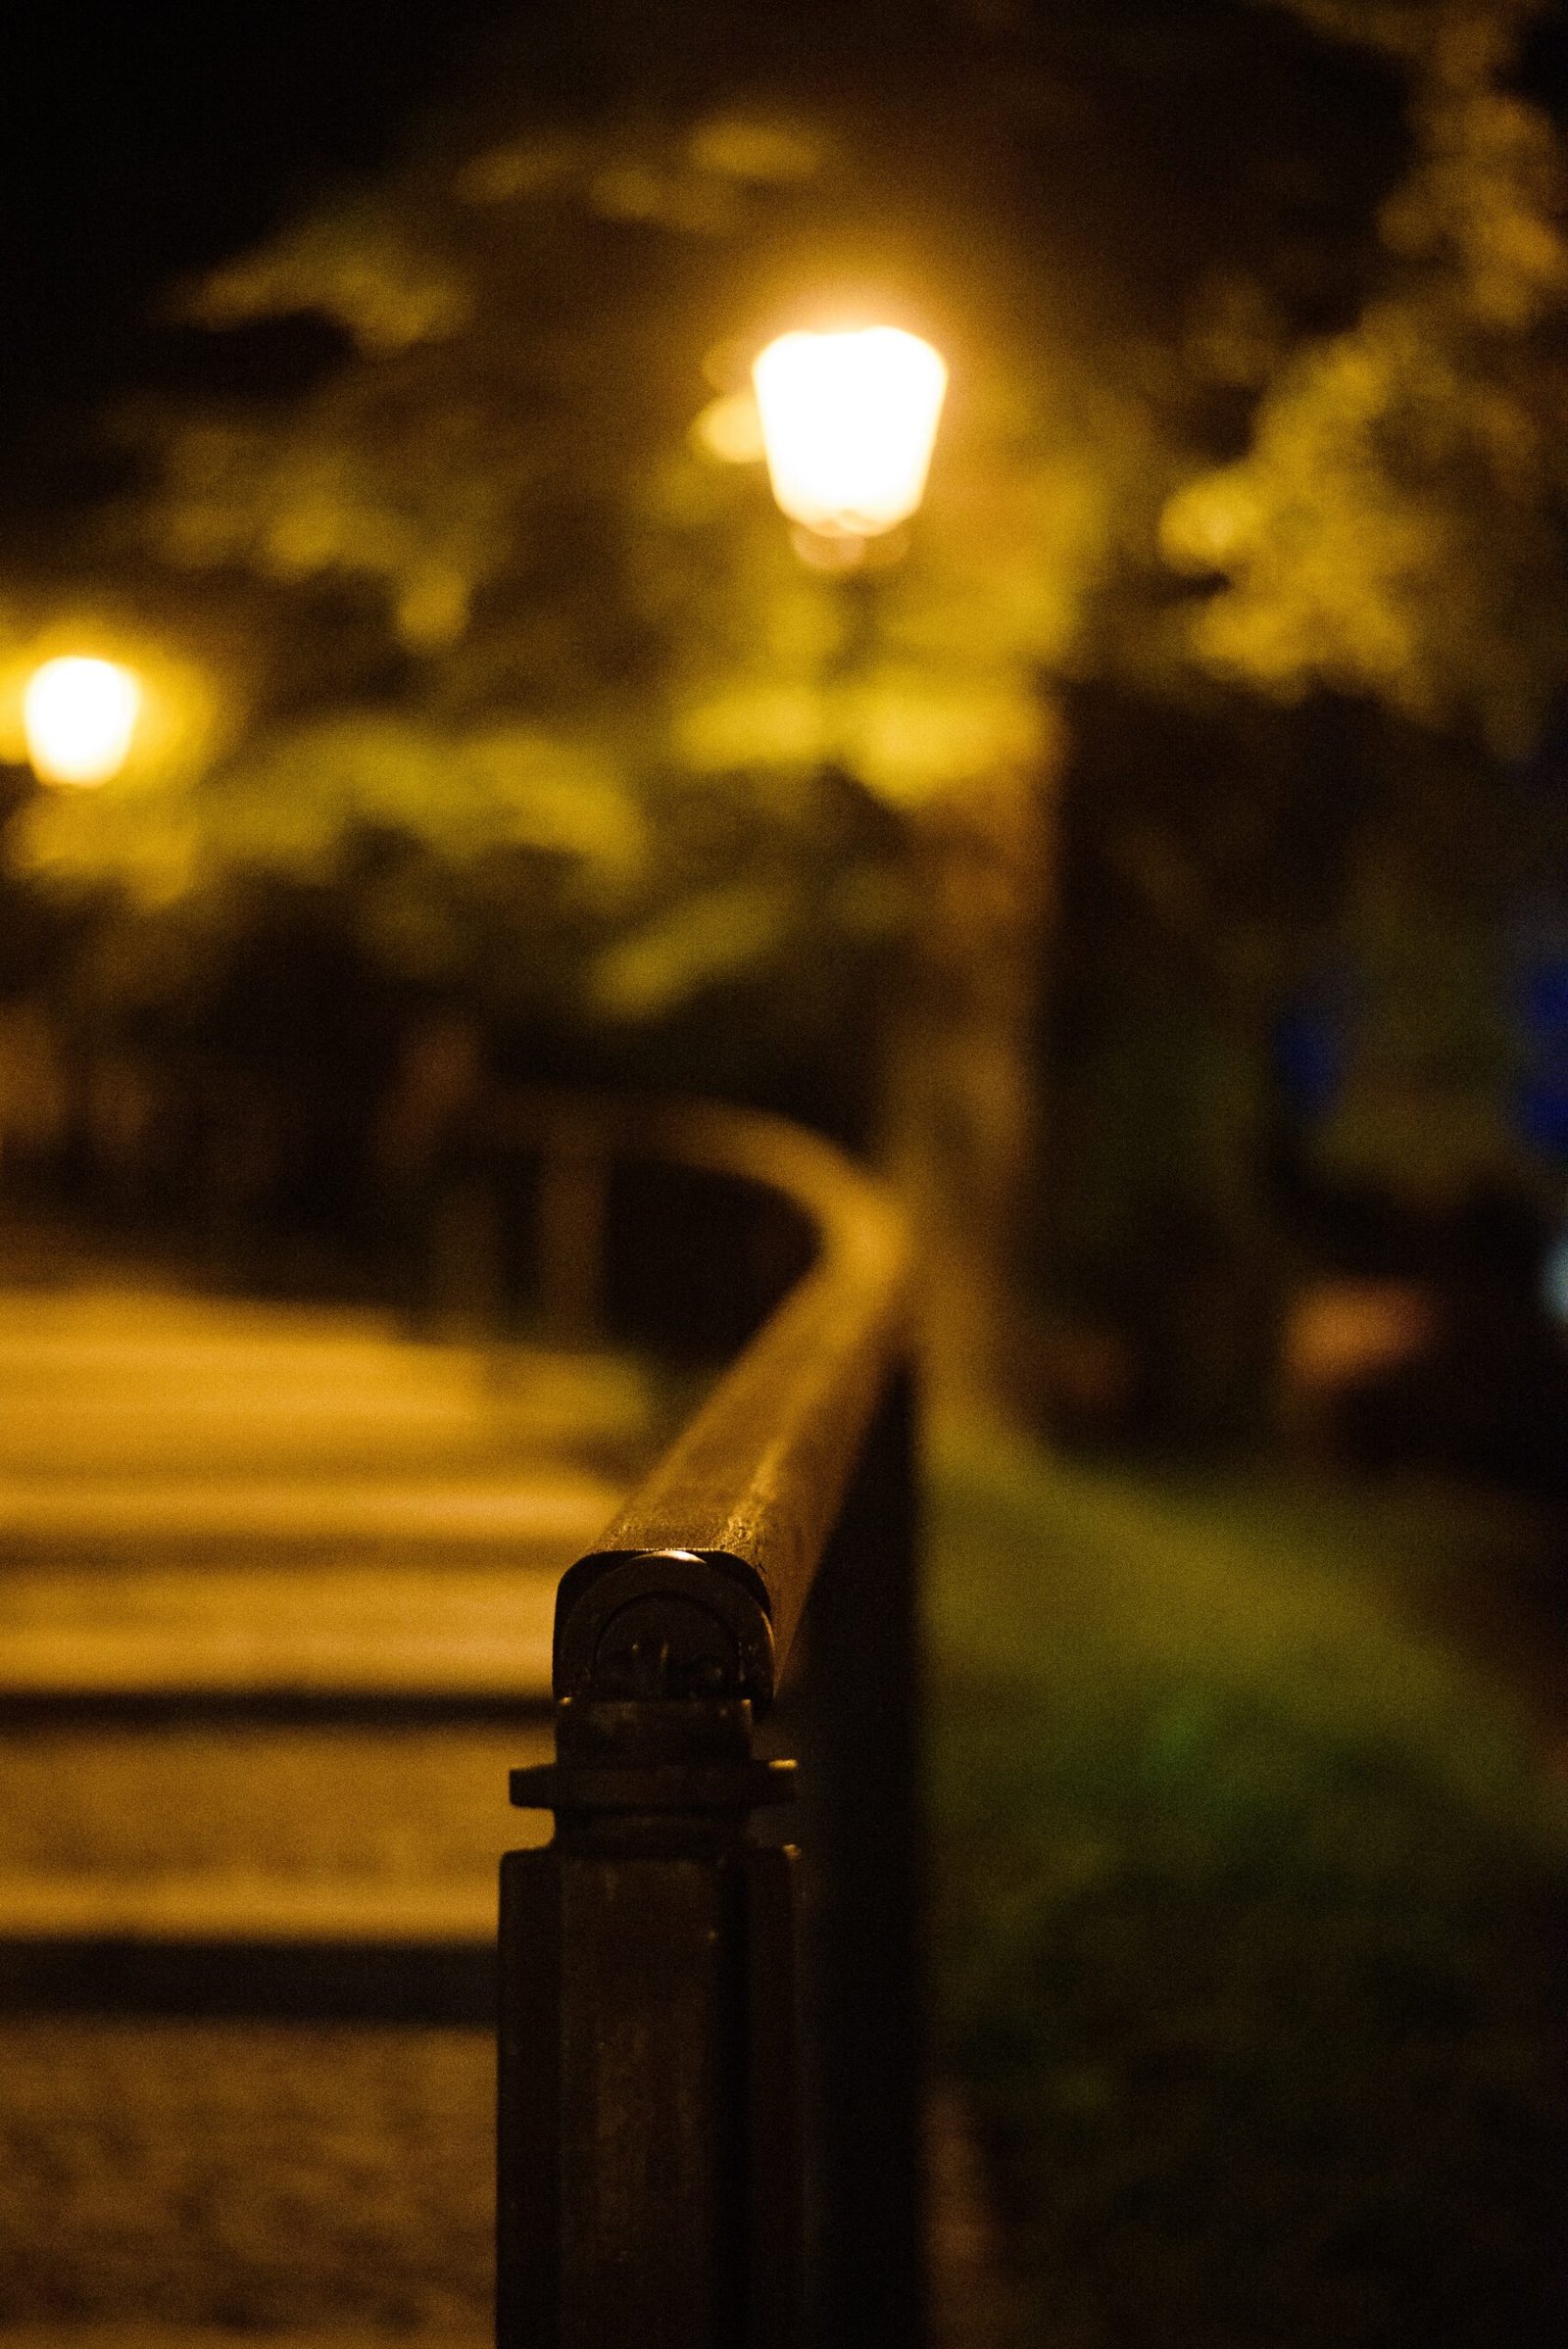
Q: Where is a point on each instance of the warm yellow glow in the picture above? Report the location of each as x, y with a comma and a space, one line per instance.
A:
731, 429
79, 716
848, 423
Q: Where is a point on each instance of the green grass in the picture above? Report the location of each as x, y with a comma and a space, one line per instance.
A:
1250, 1911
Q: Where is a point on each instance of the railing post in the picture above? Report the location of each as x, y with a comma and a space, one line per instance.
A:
648, 2189
861, 1724
649, 2178
569, 1229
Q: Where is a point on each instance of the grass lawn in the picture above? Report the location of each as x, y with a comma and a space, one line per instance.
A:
1250, 1909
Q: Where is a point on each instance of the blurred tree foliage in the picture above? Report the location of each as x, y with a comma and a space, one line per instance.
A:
573, 736
1394, 527
1382, 562
563, 653
1254, 318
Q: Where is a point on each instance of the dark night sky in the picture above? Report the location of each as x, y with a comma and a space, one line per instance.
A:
139, 142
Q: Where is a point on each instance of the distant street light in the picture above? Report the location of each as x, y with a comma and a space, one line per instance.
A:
848, 423
79, 716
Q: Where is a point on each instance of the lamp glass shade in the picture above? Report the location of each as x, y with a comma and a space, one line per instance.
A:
848, 423
79, 716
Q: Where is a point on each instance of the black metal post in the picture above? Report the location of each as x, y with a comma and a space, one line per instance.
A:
648, 2190
650, 2169
860, 1719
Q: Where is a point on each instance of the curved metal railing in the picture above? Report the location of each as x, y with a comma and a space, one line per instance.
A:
656, 2181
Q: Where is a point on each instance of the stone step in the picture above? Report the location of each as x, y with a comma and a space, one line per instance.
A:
223, 1908
276, 1592
235, 1906
107, 1379
169, 1438
533, 1515
257, 1867
443, 1632
118, 1808
247, 1991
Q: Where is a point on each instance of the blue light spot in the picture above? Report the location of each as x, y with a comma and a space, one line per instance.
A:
1309, 1057
1545, 1004
1554, 1280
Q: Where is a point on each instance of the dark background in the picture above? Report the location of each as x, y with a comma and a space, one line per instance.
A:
137, 144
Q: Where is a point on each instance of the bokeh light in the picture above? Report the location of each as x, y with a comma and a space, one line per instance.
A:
79, 715
731, 429
848, 423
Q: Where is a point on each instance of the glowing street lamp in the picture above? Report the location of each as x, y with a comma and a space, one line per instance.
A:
848, 423
79, 716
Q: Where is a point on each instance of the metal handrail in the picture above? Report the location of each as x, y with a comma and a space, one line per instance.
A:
651, 2167
754, 1482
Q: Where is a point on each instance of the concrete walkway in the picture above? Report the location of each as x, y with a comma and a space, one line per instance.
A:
275, 1598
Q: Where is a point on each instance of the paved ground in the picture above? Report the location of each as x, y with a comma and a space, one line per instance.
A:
235, 1541
276, 1593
